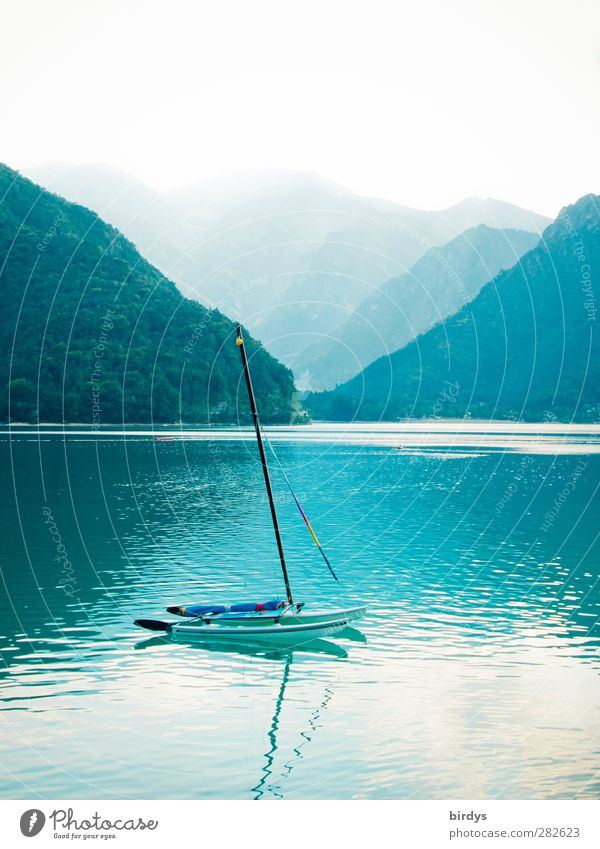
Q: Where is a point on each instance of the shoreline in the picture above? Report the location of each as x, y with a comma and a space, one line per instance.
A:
427, 425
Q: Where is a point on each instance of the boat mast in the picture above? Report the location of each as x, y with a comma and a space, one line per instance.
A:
263, 460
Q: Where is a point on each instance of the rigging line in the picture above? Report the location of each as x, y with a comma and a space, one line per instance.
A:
298, 505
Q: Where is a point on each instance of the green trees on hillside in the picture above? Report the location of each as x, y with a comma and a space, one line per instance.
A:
91, 332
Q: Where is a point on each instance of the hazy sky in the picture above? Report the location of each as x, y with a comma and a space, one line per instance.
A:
421, 102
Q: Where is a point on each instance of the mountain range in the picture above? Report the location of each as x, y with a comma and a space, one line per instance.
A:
526, 347
287, 252
91, 332
438, 285
465, 312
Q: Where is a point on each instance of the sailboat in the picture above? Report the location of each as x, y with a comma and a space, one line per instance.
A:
278, 621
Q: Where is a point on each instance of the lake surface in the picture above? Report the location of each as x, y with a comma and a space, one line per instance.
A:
475, 675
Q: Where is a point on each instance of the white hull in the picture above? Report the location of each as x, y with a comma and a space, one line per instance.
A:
269, 633
286, 617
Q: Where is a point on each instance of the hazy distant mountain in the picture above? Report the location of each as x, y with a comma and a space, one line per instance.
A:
120, 199
227, 241
439, 284
351, 264
495, 213
224, 192
286, 251
253, 239
91, 332
525, 347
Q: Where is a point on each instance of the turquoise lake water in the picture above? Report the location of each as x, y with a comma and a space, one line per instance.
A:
475, 674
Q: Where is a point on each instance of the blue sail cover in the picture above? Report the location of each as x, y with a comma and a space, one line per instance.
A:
241, 607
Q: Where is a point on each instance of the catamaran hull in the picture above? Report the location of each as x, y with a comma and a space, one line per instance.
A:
267, 634
285, 617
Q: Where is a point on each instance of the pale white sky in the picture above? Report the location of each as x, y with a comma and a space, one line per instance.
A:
422, 102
